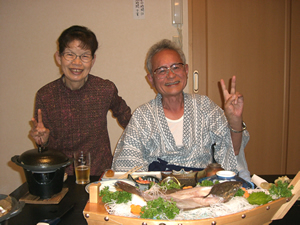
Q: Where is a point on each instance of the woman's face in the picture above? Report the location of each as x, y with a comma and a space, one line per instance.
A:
172, 84
75, 71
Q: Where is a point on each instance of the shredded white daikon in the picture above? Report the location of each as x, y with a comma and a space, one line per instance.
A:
236, 204
122, 209
155, 192
258, 190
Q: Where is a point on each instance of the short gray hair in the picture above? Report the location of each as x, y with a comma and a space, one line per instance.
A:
162, 45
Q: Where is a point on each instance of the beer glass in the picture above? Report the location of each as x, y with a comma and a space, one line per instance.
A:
82, 165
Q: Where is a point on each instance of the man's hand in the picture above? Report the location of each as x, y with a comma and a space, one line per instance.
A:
233, 105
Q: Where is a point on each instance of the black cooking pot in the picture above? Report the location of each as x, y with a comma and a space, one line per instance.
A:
44, 170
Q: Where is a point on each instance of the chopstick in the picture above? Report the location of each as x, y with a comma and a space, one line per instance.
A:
130, 172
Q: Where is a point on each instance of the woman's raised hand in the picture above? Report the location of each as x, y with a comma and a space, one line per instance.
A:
39, 132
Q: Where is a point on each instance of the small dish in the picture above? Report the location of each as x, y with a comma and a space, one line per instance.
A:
143, 183
109, 183
15, 207
225, 174
171, 178
186, 178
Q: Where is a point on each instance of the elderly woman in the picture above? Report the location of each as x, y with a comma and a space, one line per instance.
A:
179, 128
71, 112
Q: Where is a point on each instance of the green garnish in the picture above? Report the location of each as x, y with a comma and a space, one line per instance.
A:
281, 190
208, 183
259, 198
159, 209
239, 193
117, 196
276, 191
170, 185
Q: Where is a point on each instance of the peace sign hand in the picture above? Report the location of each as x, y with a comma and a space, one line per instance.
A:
38, 132
233, 107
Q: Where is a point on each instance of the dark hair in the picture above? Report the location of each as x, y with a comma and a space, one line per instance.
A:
83, 34
159, 46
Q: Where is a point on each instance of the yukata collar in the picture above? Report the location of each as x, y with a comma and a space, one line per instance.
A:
187, 122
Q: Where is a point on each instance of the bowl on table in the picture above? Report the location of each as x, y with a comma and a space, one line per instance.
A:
186, 178
143, 182
225, 174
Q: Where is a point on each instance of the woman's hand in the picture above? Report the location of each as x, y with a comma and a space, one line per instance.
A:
39, 132
233, 105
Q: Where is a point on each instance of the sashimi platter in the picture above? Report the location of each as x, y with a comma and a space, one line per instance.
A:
148, 198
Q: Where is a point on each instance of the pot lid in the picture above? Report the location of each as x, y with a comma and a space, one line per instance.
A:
42, 159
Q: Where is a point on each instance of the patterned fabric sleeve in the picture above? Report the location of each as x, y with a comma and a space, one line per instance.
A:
224, 148
129, 150
219, 133
120, 109
242, 166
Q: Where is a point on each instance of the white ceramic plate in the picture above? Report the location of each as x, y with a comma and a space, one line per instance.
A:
109, 183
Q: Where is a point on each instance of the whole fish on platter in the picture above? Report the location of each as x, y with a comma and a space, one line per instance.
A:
189, 198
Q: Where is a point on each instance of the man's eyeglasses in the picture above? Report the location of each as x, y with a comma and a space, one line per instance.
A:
70, 56
163, 71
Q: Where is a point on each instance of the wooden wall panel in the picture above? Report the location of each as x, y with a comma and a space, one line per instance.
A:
293, 156
251, 39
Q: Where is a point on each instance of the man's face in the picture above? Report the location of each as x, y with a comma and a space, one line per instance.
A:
172, 84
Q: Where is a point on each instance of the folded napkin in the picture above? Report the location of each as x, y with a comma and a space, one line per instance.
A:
257, 180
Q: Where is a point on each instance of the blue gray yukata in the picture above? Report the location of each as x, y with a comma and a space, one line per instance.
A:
147, 137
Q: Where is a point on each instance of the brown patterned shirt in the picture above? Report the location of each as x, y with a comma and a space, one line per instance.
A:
77, 119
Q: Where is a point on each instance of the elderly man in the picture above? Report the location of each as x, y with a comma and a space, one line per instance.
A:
179, 129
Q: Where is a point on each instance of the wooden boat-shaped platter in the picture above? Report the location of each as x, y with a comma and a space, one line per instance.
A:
95, 214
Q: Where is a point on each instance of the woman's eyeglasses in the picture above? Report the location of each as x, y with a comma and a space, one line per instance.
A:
70, 56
